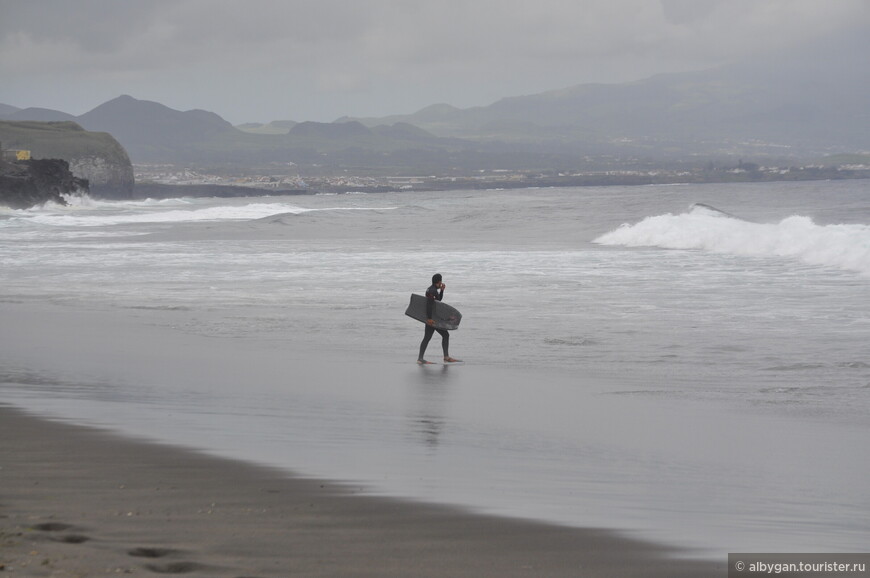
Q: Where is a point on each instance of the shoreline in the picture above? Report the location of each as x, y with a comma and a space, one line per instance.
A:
81, 501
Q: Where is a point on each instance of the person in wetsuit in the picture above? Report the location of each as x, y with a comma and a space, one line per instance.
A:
433, 293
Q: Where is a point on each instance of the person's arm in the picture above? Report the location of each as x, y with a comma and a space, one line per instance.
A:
430, 306
430, 303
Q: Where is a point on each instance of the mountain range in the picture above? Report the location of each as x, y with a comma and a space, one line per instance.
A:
154, 133
799, 107
808, 103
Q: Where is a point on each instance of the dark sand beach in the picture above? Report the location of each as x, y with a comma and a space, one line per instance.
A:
77, 501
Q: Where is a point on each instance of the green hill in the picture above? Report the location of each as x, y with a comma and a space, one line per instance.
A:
95, 156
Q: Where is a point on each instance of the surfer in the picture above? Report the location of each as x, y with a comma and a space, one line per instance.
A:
435, 291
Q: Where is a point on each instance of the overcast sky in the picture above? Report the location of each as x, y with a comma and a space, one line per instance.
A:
262, 60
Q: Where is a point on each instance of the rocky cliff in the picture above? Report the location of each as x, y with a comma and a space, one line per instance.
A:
110, 180
24, 184
94, 156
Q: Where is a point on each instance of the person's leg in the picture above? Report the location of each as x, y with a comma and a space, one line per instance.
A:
445, 342
427, 335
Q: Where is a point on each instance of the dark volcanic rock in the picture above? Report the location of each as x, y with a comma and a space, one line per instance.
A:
24, 184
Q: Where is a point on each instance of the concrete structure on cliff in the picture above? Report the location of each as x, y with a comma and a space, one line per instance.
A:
14, 154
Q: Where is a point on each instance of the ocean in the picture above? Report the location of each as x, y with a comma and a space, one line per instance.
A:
687, 364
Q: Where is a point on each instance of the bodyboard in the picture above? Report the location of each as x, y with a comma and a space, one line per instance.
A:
444, 316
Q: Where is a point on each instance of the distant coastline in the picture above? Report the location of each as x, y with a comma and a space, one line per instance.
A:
164, 191
502, 180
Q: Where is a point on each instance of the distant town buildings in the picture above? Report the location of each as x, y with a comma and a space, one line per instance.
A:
499, 178
171, 175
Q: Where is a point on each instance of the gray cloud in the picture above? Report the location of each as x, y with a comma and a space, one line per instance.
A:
271, 59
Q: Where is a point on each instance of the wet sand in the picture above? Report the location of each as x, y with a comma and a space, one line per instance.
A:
77, 501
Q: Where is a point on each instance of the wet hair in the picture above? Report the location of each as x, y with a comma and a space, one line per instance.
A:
436, 278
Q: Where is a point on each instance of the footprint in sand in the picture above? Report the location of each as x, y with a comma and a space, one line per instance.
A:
59, 527
151, 552
175, 567
169, 567
52, 527
71, 539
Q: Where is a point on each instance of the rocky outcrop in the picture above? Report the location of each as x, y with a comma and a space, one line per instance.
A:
95, 156
108, 179
25, 184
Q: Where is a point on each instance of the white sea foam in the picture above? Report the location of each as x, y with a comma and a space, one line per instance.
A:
89, 202
705, 228
100, 214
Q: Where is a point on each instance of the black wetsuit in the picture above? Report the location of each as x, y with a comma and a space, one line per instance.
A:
433, 293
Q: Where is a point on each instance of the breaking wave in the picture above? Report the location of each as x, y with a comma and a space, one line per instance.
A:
90, 213
706, 228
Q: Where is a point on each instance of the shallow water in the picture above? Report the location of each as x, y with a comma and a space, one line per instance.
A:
699, 375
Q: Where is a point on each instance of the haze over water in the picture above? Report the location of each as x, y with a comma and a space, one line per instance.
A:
684, 362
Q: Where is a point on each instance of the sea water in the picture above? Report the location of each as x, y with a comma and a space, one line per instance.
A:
687, 363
